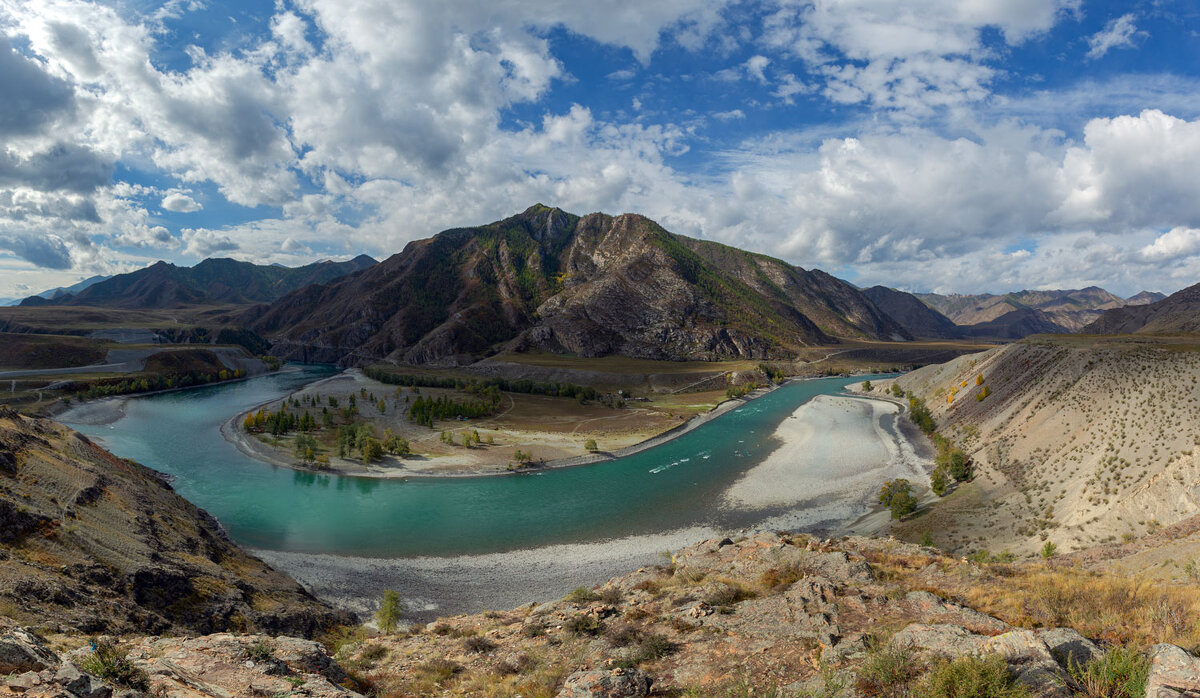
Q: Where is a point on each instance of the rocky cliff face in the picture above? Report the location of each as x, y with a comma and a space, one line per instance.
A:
551, 281
96, 544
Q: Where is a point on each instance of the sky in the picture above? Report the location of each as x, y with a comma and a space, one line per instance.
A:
957, 146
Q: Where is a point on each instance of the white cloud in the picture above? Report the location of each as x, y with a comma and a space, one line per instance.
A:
901, 55
1118, 33
1176, 243
730, 115
755, 67
205, 243
180, 202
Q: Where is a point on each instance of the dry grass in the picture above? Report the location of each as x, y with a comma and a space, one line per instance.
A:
1122, 610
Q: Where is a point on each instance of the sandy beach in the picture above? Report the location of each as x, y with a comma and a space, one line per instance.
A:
834, 453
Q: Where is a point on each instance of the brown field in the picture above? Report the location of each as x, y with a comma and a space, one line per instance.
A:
84, 319
38, 351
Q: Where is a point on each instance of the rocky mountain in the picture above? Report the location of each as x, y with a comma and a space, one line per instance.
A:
1179, 312
918, 318
1145, 298
1069, 310
1015, 324
1076, 440
97, 544
213, 281
547, 280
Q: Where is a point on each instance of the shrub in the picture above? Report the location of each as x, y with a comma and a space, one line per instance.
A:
725, 594
584, 625
1120, 673
866, 386
887, 671
623, 635
653, 646
479, 645
971, 677
590, 445
1049, 549
611, 595
259, 652
779, 577
439, 670
581, 595
108, 662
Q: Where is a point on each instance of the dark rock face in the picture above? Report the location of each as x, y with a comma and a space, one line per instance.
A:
919, 319
547, 280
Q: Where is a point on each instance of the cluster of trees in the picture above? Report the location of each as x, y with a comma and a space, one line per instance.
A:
278, 423
470, 439
951, 465
426, 410
741, 390
480, 387
920, 415
273, 362
897, 495
773, 374
146, 384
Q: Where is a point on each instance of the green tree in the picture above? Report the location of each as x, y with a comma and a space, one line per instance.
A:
1049, 549
371, 449
938, 482
590, 445
388, 615
897, 496
867, 386
897, 390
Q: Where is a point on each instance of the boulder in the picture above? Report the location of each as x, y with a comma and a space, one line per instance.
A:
944, 639
81, 683
22, 650
1069, 647
600, 683
1030, 659
1173, 673
934, 609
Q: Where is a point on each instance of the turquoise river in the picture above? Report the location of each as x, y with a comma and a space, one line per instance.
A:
673, 485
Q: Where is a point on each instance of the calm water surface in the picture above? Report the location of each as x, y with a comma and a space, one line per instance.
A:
673, 485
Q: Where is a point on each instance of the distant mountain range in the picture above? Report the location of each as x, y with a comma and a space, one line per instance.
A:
549, 280
58, 291
211, 282
1179, 312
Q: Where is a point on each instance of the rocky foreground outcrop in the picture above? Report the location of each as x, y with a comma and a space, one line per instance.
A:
778, 614
768, 614
217, 665
92, 543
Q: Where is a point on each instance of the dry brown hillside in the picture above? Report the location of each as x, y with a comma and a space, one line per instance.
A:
98, 544
1079, 441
